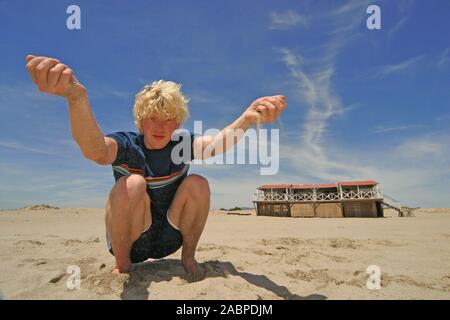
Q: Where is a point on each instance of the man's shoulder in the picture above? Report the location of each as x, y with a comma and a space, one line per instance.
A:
127, 133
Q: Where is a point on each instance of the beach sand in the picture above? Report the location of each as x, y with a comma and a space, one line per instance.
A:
246, 257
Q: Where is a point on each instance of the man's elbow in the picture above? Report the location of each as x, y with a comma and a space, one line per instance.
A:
100, 158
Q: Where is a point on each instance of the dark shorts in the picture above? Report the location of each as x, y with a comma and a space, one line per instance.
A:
160, 240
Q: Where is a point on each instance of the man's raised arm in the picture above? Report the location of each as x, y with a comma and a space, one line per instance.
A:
56, 78
261, 111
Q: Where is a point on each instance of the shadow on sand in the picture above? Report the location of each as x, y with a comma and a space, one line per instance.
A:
136, 287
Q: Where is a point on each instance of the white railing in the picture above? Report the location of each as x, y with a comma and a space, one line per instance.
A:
327, 196
269, 197
300, 197
371, 194
332, 196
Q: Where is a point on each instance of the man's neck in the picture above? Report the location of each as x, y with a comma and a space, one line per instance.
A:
150, 147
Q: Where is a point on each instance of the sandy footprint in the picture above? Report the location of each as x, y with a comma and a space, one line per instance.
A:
321, 276
71, 242
37, 262
388, 279
344, 243
221, 249
106, 283
325, 277
29, 243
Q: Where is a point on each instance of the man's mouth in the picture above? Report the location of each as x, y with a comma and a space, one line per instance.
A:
158, 137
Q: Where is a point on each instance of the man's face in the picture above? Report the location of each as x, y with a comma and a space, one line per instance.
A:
157, 132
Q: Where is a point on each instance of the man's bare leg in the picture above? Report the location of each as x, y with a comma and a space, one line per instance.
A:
188, 212
127, 216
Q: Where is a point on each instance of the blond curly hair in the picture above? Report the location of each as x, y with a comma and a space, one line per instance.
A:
162, 99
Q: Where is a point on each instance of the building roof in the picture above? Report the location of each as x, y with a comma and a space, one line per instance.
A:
358, 183
314, 185
318, 185
274, 186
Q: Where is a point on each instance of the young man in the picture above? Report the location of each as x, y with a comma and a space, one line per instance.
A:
155, 207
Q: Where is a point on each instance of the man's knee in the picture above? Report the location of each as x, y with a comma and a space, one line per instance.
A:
128, 189
198, 186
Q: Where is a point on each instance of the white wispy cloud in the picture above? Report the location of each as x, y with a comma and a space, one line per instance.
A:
344, 21
408, 64
119, 93
398, 25
382, 129
22, 97
291, 60
201, 98
444, 58
349, 8
287, 19
107, 92
421, 147
16, 145
405, 9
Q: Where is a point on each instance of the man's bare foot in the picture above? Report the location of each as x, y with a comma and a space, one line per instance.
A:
119, 270
194, 270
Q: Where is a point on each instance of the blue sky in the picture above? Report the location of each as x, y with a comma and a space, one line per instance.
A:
363, 104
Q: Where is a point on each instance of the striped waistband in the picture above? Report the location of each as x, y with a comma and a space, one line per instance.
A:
153, 182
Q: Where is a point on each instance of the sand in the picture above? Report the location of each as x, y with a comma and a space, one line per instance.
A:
246, 257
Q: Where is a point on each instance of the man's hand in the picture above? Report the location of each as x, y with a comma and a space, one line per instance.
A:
265, 110
53, 77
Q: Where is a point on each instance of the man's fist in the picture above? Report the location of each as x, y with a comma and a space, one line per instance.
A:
53, 77
265, 109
